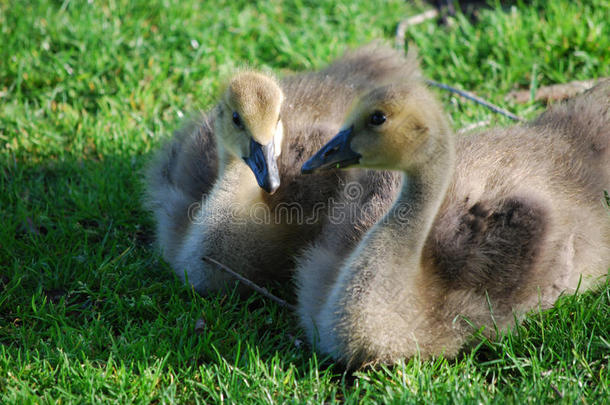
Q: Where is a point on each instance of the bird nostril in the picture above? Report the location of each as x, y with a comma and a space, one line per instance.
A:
331, 151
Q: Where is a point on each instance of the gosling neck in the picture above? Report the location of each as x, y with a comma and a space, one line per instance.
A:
235, 183
225, 159
423, 190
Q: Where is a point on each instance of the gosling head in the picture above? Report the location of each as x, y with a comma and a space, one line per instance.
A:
394, 127
248, 125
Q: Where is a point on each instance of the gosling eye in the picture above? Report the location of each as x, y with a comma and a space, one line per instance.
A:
377, 118
237, 120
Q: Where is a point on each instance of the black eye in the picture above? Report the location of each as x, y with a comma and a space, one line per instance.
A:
237, 120
377, 118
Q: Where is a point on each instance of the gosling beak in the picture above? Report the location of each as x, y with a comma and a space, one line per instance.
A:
337, 153
263, 163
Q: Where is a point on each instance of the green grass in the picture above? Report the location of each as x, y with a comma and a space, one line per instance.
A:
89, 312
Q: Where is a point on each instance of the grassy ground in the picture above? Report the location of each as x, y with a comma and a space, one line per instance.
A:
88, 311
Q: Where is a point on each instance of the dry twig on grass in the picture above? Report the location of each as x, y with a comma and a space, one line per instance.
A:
250, 284
554, 92
399, 41
401, 29
476, 99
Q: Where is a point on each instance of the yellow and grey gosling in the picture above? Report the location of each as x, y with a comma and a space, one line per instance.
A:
186, 169
486, 226
211, 198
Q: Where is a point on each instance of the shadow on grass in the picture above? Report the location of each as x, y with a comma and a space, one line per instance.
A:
82, 277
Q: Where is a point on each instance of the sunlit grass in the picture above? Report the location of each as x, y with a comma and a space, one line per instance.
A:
89, 312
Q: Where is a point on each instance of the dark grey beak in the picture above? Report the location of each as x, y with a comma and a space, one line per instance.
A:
263, 163
337, 153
